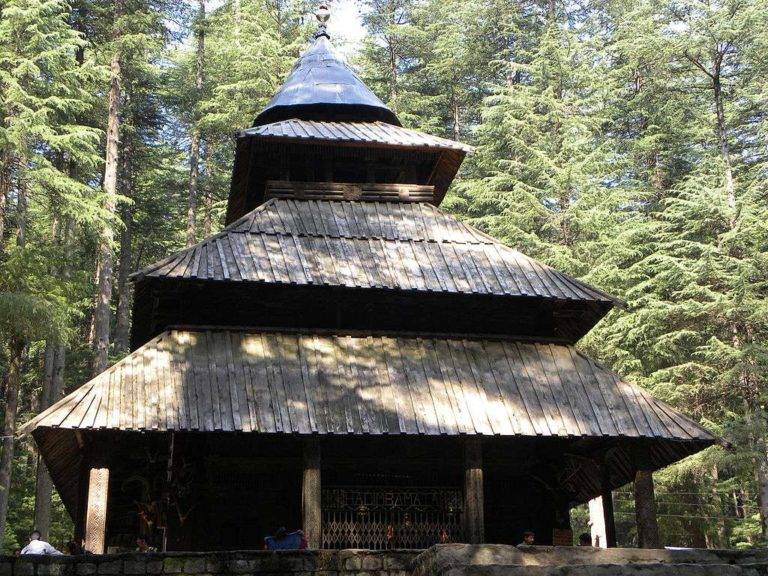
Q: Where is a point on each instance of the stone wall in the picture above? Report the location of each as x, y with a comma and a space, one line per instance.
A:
442, 560
501, 560
262, 563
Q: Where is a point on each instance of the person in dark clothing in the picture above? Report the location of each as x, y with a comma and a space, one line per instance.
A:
144, 545
74, 548
585, 539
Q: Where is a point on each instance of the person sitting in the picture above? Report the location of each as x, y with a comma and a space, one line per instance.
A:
74, 548
143, 545
585, 540
529, 538
38, 546
284, 540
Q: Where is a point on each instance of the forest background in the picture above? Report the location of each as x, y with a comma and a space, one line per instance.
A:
623, 141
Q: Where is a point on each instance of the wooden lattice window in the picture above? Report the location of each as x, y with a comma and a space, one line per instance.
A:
382, 518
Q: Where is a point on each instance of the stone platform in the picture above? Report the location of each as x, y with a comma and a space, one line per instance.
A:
442, 560
501, 560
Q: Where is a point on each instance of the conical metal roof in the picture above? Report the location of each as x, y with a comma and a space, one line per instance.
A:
322, 86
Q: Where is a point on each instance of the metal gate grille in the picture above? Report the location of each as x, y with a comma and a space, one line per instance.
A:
382, 518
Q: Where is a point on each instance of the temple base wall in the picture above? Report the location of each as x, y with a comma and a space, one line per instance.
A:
501, 560
443, 560
250, 563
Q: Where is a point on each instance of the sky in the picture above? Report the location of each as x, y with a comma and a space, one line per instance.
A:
346, 26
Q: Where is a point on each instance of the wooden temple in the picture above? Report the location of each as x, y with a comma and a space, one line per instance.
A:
348, 359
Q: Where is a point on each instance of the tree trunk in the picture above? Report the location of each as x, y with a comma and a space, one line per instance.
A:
759, 461
456, 117
22, 203
5, 188
645, 511
723, 536
43, 484
725, 149
392, 77
194, 174
53, 380
102, 315
392, 53
123, 323
16, 353
194, 153
208, 197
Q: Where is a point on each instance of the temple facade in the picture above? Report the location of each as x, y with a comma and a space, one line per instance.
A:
348, 359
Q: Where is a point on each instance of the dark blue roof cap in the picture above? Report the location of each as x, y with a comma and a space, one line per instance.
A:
322, 86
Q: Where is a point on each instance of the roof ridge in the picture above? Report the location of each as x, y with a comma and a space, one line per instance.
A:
350, 237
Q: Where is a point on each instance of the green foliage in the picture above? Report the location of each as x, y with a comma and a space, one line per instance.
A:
599, 149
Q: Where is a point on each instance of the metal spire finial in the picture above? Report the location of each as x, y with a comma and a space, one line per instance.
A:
323, 13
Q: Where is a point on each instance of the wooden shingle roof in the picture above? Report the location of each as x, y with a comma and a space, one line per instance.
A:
274, 382
398, 246
293, 383
271, 382
379, 133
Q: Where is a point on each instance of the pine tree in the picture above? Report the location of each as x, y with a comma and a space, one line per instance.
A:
543, 157
694, 272
230, 97
194, 152
44, 88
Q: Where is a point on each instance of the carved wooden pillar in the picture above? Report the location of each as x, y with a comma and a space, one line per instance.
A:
645, 511
474, 522
607, 498
597, 523
96, 511
311, 491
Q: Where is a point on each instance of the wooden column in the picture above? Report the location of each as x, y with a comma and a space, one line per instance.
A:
311, 491
474, 522
96, 510
597, 523
608, 519
645, 511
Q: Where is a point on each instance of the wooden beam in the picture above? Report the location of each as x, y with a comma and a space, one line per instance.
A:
96, 511
474, 521
311, 490
608, 519
350, 191
645, 511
